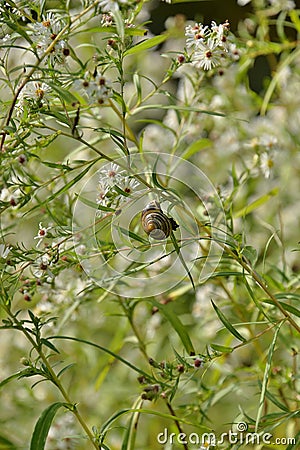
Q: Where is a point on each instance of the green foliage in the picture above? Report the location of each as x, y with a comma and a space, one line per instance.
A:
111, 337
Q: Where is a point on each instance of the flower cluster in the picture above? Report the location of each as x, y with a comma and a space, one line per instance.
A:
114, 186
35, 94
210, 46
44, 33
94, 88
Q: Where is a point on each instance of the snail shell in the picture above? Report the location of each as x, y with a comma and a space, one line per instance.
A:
155, 223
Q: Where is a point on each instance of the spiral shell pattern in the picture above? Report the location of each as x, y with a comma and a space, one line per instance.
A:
155, 223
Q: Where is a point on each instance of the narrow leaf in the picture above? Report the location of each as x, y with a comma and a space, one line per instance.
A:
196, 147
286, 306
65, 94
256, 204
276, 402
145, 45
49, 345
177, 249
133, 235
227, 324
28, 372
266, 378
119, 23
221, 348
43, 425
5, 444
173, 319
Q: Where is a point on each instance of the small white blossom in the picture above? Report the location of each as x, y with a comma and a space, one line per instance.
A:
42, 233
219, 32
111, 176
129, 185
44, 33
107, 20
4, 251
42, 265
267, 164
195, 33
36, 90
243, 2
207, 55
11, 195
95, 89
103, 190
284, 5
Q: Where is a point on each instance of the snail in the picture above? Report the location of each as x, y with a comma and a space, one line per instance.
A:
155, 223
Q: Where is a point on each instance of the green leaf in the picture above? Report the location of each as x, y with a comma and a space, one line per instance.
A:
173, 319
93, 205
180, 108
119, 23
294, 15
138, 87
196, 147
256, 204
227, 324
26, 373
221, 348
177, 249
5, 444
128, 31
71, 183
266, 377
250, 253
106, 350
49, 345
286, 306
257, 303
276, 402
43, 425
145, 45
133, 235
64, 94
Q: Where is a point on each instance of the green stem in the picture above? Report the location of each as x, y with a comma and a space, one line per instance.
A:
55, 380
35, 67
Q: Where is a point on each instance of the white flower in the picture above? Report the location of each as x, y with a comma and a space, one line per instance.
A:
220, 32
111, 176
107, 20
10, 195
102, 194
36, 90
207, 55
268, 141
44, 33
95, 90
284, 5
4, 251
266, 163
42, 233
42, 263
129, 185
196, 33
243, 2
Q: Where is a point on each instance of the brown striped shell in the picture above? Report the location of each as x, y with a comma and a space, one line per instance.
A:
155, 223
